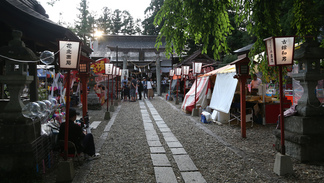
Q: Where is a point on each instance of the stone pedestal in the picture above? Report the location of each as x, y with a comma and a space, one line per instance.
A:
177, 101
112, 108
17, 152
107, 115
303, 138
93, 99
283, 165
65, 171
195, 112
93, 102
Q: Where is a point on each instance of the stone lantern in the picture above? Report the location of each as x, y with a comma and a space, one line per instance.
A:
17, 132
16, 73
93, 99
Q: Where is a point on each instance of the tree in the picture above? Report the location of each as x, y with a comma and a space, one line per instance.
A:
148, 23
274, 18
105, 21
196, 20
202, 20
84, 26
128, 23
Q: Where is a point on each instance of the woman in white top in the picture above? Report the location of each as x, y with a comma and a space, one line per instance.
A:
150, 89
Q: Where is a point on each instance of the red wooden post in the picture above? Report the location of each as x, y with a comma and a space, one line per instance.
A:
282, 126
107, 92
67, 107
243, 105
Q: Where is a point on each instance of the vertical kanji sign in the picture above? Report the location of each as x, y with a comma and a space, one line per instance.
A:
280, 50
69, 54
270, 52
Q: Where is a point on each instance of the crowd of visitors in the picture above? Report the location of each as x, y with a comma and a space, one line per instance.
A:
135, 89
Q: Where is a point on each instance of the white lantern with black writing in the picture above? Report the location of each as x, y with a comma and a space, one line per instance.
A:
69, 55
280, 50
109, 68
178, 71
171, 72
196, 66
185, 70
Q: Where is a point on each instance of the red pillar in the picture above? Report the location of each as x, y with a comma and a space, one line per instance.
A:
84, 81
243, 105
282, 126
107, 92
67, 107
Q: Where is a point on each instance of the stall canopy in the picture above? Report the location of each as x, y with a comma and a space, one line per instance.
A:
221, 70
203, 86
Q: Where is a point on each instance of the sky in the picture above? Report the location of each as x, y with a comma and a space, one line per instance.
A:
69, 11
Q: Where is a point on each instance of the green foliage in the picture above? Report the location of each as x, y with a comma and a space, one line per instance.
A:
84, 26
263, 20
104, 21
239, 36
306, 17
229, 58
116, 22
196, 20
148, 26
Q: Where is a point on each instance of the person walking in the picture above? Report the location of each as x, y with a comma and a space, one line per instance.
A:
124, 88
163, 82
132, 89
150, 92
144, 87
140, 88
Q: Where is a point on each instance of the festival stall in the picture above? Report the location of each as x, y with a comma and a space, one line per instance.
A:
99, 69
197, 95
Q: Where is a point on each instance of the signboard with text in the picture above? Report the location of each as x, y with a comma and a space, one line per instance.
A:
280, 50
69, 54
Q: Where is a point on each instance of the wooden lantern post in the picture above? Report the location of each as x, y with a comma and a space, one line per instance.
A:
68, 60
108, 71
242, 73
171, 73
178, 73
280, 51
84, 70
185, 72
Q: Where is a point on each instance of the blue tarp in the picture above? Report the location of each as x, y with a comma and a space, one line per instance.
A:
41, 73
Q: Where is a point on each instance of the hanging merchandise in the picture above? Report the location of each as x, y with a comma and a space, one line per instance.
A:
47, 57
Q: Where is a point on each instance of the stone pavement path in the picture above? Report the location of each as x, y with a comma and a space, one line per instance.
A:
162, 166
154, 141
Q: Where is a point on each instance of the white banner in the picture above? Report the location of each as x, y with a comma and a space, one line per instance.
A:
223, 93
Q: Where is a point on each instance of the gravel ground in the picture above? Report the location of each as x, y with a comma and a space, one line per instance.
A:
218, 151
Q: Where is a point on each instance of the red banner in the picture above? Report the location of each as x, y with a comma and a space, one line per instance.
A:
99, 65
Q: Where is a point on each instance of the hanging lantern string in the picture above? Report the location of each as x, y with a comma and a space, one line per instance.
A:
141, 66
30, 61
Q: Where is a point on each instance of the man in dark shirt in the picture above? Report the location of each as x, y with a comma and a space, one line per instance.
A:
83, 142
140, 88
133, 89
